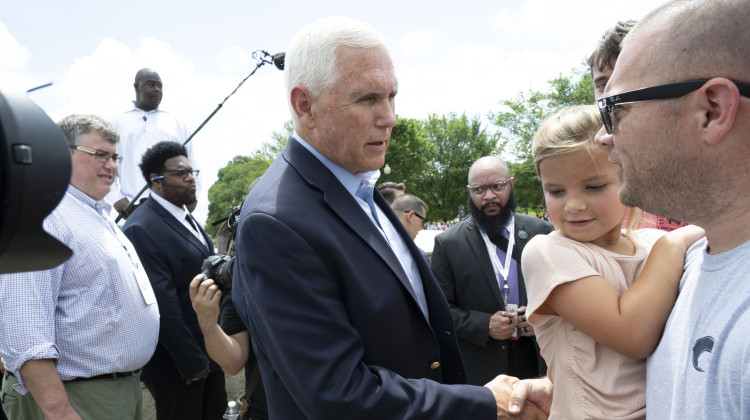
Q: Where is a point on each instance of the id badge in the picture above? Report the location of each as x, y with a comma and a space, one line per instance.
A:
512, 307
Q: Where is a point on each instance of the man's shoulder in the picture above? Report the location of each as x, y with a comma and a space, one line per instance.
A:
145, 214
460, 231
531, 222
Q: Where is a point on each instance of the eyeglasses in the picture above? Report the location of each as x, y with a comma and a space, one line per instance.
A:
182, 173
418, 215
100, 155
669, 91
496, 187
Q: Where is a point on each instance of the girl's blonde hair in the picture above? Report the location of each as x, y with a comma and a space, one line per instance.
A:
570, 130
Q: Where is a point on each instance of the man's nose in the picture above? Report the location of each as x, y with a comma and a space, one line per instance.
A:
603, 138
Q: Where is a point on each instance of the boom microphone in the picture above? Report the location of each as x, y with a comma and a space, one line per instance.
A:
262, 57
278, 60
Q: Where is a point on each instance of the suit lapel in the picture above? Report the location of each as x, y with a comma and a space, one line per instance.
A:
520, 244
177, 226
479, 249
347, 209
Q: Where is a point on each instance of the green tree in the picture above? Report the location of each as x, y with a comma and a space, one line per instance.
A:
409, 154
458, 141
231, 187
234, 179
522, 117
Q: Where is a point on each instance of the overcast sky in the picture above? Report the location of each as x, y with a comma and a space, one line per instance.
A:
459, 56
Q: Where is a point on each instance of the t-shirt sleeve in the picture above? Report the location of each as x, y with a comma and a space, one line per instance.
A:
547, 262
230, 320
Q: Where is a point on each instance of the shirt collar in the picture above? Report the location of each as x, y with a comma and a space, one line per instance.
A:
350, 181
179, 213
102, 206
153, 111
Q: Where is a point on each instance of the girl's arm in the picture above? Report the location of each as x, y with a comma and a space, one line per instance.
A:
630, 323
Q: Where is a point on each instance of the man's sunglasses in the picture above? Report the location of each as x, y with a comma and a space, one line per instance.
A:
669, 91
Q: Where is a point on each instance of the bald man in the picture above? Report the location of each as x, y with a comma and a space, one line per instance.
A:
477, 263
141, 128
676, 117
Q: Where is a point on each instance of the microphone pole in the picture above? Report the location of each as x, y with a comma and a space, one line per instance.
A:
266, 58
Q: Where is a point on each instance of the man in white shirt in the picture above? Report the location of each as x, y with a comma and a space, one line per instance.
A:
140, 128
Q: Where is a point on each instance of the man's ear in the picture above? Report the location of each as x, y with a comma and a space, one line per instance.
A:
154, 183
302, 106
718, 102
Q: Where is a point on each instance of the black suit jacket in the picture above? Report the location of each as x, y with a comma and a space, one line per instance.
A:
334, 321
172, 256
464, 270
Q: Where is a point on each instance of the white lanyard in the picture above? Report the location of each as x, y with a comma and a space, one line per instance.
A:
501, 271
139, 271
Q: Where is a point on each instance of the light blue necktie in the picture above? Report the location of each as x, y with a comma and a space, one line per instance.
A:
365, 193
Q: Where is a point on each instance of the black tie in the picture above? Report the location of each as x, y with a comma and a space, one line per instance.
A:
190, 220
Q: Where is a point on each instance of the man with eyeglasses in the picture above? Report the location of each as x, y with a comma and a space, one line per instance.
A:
184, 381
602, 62
411, 211
477, 263
676, 115
140, 128
74, 338
677, 120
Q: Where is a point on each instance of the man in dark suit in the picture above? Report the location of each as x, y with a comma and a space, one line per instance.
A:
346, 318
482, 283
184, 382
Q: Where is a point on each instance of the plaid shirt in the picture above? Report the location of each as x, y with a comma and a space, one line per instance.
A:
87, 313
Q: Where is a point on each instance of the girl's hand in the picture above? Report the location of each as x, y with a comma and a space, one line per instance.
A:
685, 236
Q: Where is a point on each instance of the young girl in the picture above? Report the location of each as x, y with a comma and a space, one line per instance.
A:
597, 307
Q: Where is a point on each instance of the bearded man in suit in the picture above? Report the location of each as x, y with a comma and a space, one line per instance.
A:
477, 263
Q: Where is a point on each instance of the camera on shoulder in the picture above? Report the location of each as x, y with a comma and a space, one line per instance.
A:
220, 267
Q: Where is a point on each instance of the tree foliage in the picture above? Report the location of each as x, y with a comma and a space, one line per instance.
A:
458, 141
234, 179
409, 154
522, 117
433, 156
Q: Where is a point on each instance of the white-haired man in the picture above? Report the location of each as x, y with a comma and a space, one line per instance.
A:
346, 318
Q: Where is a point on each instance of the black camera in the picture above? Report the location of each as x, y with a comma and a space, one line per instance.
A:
34, 173
220, 267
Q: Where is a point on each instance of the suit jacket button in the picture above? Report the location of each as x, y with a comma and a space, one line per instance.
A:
434, 365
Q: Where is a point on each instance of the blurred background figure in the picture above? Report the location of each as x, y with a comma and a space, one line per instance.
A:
391, 190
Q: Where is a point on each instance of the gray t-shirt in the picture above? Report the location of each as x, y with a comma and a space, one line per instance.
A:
701, 367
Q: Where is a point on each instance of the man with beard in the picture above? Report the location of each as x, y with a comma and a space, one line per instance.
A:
477, 265
184, 382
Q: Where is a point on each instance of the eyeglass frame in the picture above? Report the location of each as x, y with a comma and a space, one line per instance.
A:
97, 154
423, 219
667, 91
489, 187
191, 171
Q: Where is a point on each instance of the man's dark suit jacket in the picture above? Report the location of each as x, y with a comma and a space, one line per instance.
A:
333, 318
464, 270
172, 256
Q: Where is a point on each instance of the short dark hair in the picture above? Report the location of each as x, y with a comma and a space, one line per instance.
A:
153, 160
610, 44
407, 203
388, 189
